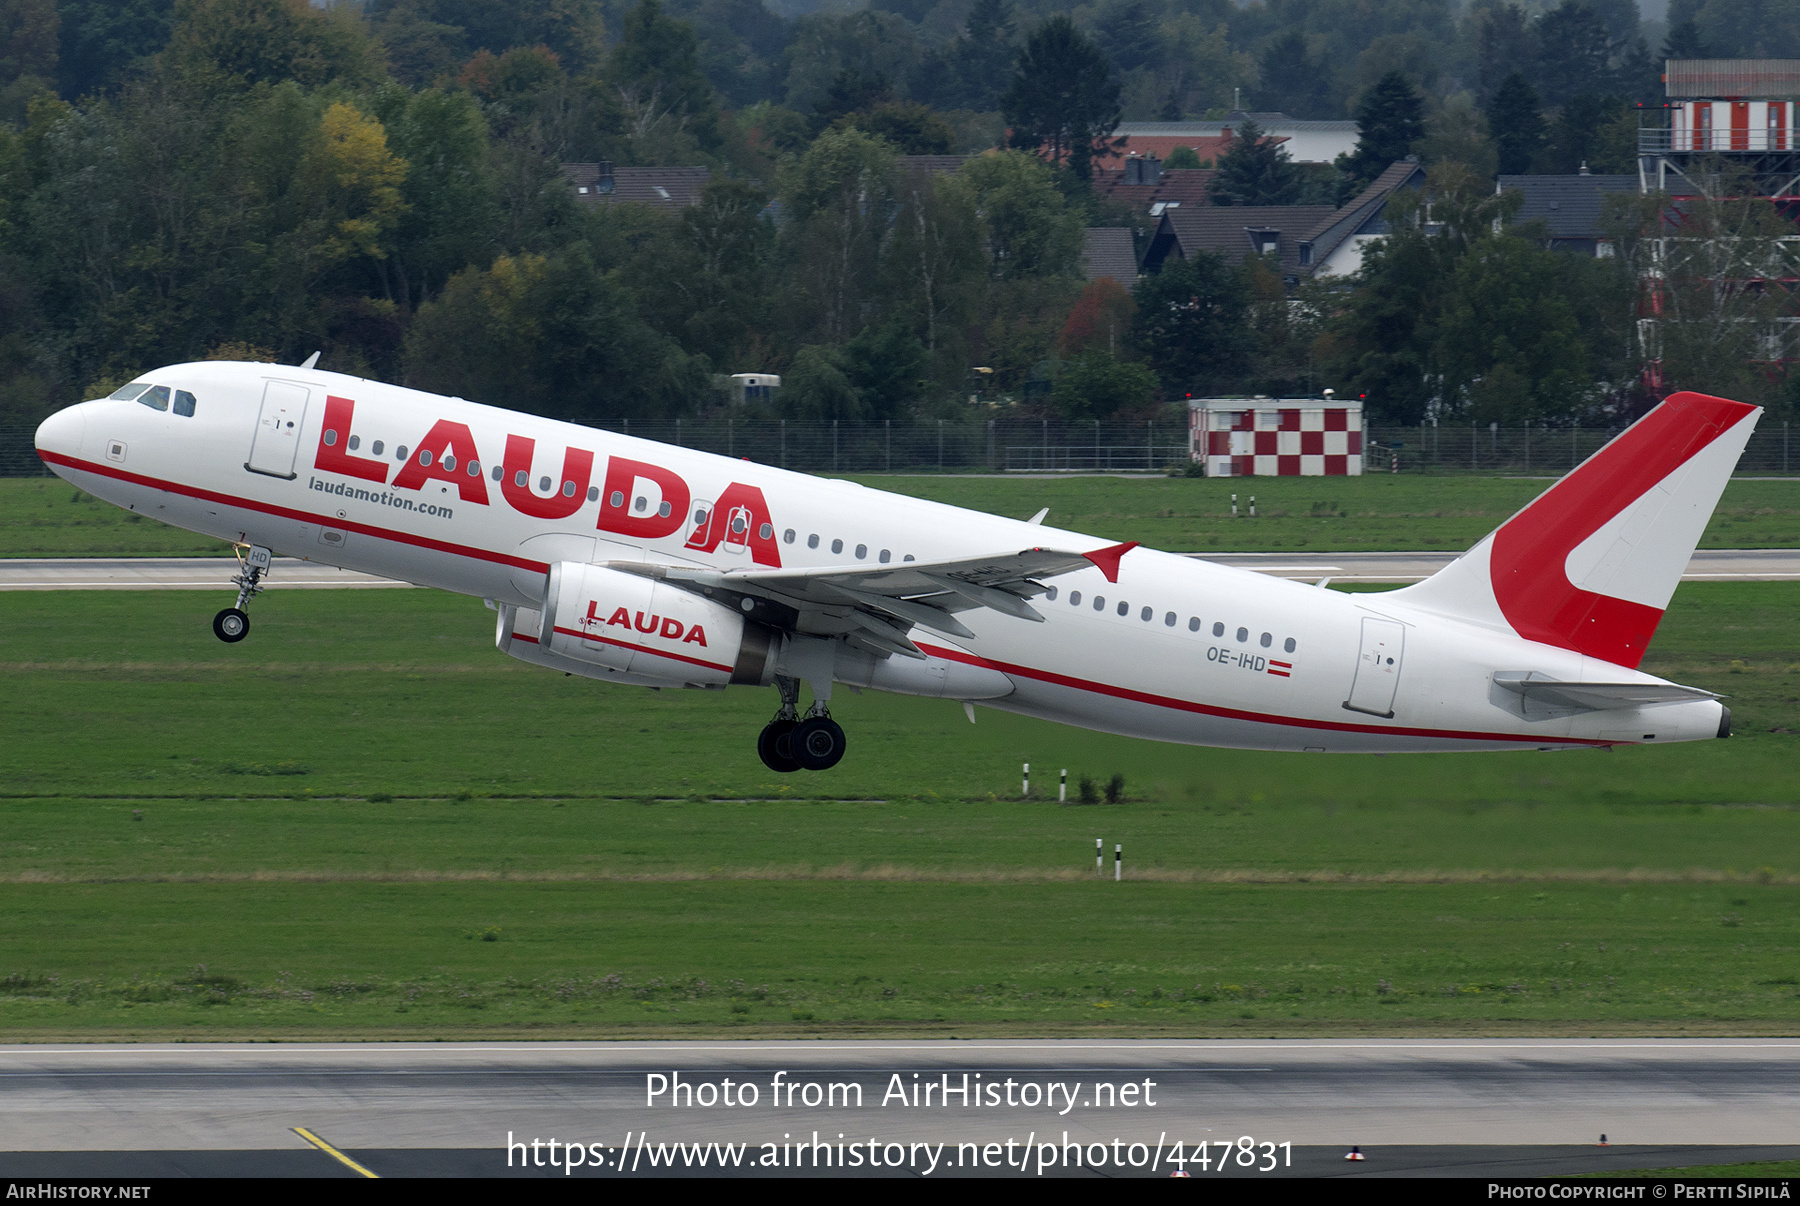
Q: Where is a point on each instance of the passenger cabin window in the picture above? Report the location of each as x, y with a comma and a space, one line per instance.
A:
1074, 598
376, 449
593, 491
1124, 607
1243, 634
184, 406
862, 550
787, 537
156, 397
1218, 630
1288, 645
1266, 640
812, 541
355, 441
885, 557
1169, 620
1050, 593
1148, 612
837, 546
1193, 623
1099, 602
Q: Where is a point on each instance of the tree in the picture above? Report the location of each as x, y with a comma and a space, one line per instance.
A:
934, 264
1096, 385
1181, 157
1293, 82
912, 128
1031, 229
1515, 124
887, 366
1506, 45
839, 196
1509, 346
656, 68
450, 219
1579, 136
1389, 120
1575, 53
237, 43
1191, 323
1100, 321
1128, 32
1255, 170
1064, 100
550, 335
101, 39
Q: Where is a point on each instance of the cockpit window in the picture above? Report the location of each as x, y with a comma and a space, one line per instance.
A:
156, 397
184, 406
126, 393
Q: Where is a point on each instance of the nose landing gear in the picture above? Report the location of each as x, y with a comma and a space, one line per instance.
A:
233, 624
791, 742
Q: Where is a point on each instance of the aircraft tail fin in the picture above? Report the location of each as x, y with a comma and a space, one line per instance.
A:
1590, 565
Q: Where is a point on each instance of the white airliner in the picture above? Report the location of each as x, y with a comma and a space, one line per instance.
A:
638, 563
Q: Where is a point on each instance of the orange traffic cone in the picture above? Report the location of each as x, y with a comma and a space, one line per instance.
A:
1355, 1154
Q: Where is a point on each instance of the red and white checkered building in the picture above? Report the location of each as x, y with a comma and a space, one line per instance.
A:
1276, 437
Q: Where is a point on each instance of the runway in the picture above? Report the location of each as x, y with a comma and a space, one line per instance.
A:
214, 573
1420, 1107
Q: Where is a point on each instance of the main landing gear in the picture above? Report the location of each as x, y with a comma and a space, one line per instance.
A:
792, 742
233, 624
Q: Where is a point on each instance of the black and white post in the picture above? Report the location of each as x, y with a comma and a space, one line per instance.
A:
1025, 780
1100, 857
1118, 862
1062, 788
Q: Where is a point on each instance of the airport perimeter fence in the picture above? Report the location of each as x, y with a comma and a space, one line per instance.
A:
1039, 446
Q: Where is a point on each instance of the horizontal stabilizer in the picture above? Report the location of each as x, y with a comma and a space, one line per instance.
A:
1594, 697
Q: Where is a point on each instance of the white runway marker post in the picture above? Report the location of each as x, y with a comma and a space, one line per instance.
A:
1062, 788
1025, 780
1100, 857
1118, 862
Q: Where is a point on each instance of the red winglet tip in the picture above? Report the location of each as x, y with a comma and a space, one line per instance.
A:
1107, 559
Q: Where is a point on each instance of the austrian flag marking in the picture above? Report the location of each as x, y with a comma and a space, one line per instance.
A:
1281, 669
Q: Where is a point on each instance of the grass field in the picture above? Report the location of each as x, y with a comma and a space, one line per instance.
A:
47, 517
364, 820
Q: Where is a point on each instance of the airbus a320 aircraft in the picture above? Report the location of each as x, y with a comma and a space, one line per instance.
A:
638, 563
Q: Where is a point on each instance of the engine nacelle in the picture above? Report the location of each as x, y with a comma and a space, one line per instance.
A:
638, 629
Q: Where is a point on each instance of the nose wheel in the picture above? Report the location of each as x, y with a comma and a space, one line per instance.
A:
233, 624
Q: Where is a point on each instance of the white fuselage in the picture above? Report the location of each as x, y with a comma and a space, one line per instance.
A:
1178, 649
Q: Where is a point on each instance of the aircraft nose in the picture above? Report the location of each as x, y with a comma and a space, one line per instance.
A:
60, 434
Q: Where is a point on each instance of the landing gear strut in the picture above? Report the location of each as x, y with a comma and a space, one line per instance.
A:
774, 744
233, 624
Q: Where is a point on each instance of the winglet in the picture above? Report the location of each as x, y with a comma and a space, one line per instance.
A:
1107, 559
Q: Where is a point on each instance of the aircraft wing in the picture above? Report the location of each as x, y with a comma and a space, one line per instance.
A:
1594, 697
877, 605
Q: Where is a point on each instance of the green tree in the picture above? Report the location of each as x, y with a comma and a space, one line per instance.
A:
1064, 100
887, 365
1294, 82
1255, 170
1181, 157
551, 335
1575, 53
237, 43
1095, 385
1031, 229
911, 128
839, 196
656, 68
1509, 346
1390, 118
450, 219
1191, 323
100, 40
1516, 125
934, 262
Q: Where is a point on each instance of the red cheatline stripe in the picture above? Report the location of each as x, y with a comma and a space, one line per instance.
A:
1283, 665
1281, 673
674, 657
251, 504
1183, 705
